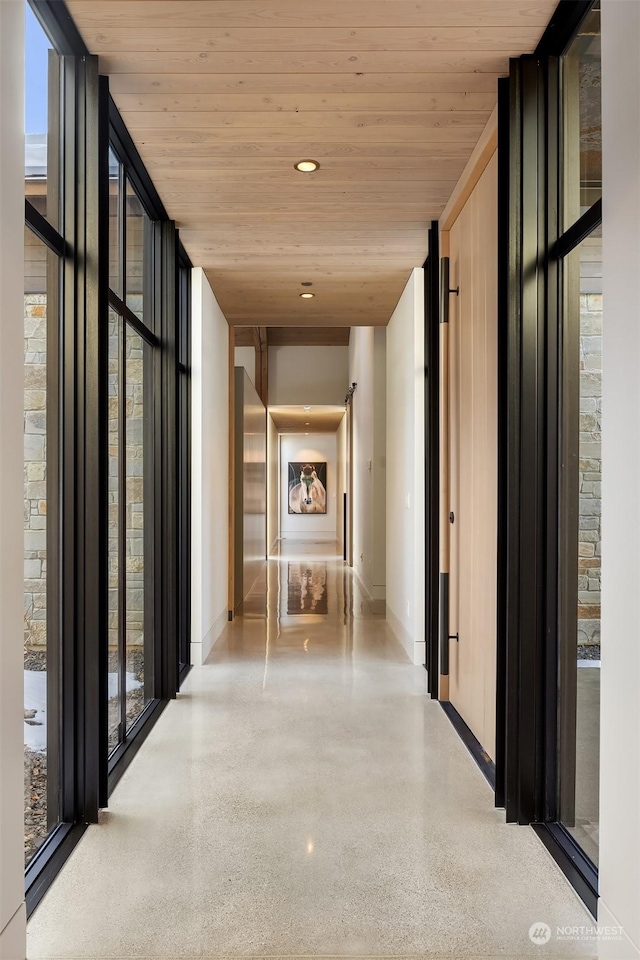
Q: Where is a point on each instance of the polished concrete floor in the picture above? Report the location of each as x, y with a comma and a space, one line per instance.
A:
304, 798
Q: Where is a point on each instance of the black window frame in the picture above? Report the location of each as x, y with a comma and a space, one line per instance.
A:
160, 331
184, 463
74, 605
532, 247
89, 122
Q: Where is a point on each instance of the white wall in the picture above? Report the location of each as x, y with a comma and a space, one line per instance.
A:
250, 486
367, 368
210, 466
341, 489
246, 357
273, 476
313, 375
405, 468
12, 912
620, 674
297, 447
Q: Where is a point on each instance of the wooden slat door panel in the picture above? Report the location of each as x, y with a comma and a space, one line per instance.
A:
473, 458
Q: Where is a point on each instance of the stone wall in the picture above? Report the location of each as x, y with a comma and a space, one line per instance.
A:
35, 478
35, 470
134, 508
590, 533
134, 484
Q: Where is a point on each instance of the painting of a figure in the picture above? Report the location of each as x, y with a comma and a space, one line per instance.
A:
307, 486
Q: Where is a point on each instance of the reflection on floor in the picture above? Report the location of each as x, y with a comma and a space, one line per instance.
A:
303, 797
307, 588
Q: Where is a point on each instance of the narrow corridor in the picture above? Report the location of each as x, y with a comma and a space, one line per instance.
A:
303, 796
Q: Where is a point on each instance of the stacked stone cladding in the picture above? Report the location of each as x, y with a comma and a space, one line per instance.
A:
590, 509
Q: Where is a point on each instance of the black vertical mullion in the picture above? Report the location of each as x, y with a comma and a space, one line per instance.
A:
170, 453
184, 461
553, 433
71, 793
89, 440
80, 256
432, 457
532, 491
512, 453
504, 125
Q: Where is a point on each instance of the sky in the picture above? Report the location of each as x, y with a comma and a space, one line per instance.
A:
36, 58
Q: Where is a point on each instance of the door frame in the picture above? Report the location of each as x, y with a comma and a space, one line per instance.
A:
432, 458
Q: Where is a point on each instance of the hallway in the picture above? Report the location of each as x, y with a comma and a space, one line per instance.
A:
304, 797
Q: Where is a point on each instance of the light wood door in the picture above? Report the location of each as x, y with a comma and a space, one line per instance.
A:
473, 458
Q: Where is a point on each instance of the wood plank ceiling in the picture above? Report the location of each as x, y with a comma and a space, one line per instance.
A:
223, 97
322, 419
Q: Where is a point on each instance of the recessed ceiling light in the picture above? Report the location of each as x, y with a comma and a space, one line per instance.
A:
307, 296
306, 166
306, 408
307, 423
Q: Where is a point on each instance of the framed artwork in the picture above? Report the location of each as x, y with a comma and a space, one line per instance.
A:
307, 487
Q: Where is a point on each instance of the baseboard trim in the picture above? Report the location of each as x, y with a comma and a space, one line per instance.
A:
471, 742
372, 593
623, 949
200, 651
413, 648
329, 537
13, 938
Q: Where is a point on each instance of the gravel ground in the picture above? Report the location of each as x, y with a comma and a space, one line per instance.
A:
135, 698
35, 801
35, 762
35, 660
35, 776
589, 651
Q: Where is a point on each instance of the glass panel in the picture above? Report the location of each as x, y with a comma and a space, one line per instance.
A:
580, 628
136, 229
113, 560
41, 141
136, 414
115, 213
41, 736
582, 75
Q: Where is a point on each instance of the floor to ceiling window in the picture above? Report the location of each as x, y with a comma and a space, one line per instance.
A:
106, 419
581, 438
131, 488
42, 261
553, 314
